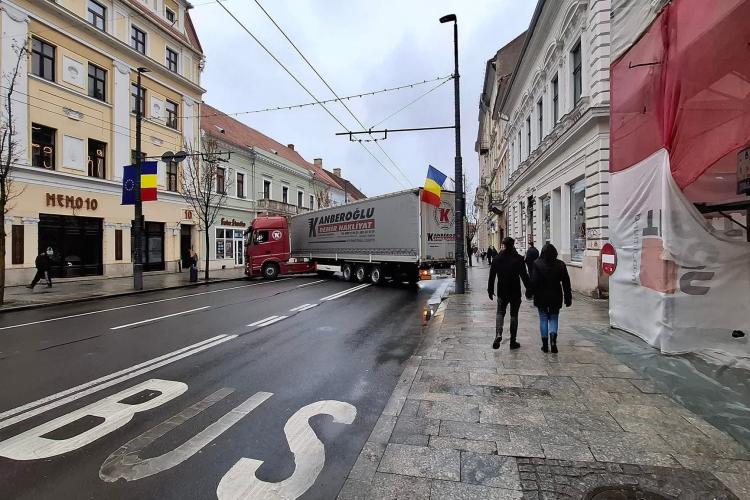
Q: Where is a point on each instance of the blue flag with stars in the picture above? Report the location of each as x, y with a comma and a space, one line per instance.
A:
128, 185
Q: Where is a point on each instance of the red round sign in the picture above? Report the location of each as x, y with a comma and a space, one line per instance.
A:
608, 256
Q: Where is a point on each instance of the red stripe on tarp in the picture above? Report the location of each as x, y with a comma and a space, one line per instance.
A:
148, 194
430, 198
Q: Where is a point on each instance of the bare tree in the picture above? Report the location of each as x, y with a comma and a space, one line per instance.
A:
323, 196
204, 184
11, 152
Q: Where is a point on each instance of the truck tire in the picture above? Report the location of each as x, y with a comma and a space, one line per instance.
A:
360, 273
376, 275
348, 271
270, 271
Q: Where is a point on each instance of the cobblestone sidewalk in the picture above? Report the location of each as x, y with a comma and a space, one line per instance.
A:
468, 422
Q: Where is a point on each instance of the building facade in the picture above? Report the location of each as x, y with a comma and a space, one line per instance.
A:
74, 112
556, 139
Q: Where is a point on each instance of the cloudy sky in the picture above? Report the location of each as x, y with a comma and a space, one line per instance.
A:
358, 46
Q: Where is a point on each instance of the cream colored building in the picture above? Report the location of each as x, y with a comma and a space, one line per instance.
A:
74, 111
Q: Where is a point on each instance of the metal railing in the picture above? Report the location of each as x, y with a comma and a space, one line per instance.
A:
279, 207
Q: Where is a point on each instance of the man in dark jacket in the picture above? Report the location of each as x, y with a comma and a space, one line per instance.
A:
42, 264
508, 267
531, 255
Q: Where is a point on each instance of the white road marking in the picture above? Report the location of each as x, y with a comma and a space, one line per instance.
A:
304, 307
309, 284
258, 323
31, 445
160, 317
268, 321
140, 304
16, 415
240, 482
346, 292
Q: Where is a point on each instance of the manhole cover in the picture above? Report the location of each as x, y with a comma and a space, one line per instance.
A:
624, 493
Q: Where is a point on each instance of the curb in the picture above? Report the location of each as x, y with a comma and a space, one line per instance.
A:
91, 298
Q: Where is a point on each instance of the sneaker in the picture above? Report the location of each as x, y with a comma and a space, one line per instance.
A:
496, 343
514, 344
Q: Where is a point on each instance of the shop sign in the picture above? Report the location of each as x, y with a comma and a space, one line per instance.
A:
74, 202
233, 222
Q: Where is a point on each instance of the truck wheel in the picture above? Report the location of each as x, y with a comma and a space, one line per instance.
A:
361, 273
270, 271
348, 272
376, 275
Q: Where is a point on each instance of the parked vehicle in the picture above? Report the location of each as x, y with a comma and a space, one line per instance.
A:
394, 236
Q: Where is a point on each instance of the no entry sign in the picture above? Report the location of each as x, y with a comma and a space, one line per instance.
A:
609, 259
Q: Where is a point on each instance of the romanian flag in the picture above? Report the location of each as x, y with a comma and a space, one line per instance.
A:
148, 183
433, 185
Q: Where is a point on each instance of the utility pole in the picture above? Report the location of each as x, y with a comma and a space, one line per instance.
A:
138, 223
458, 173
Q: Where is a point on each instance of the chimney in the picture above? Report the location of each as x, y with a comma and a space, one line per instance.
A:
337, 172
290, 146
318, 162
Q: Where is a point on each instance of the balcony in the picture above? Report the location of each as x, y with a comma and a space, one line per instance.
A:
483, 147
274, 207
497, 200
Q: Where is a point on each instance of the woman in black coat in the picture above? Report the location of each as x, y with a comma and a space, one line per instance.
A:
550, 286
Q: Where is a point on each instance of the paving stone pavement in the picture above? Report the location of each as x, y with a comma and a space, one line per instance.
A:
469, 422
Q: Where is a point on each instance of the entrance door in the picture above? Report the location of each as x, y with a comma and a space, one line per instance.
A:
154, 255
185, 244
76, 244
239, 248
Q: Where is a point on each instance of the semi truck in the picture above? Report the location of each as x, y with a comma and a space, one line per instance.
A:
390, 237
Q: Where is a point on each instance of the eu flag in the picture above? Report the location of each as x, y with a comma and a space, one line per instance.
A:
129, 177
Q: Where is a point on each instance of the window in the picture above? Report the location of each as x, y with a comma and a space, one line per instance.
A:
96, 14
240, 185
97, 83
170, 16
118, 244
300, 197
43, 146
221, 180
519, 148
133, 156
172, 176
171, 109
555, 99
577, 220
138, 39
171, 60
134, 99
266, 189
17, 244
577, 84
97, 159
528, 136
540, 120
43, 59
285, 194
312, 202
260, 236
546, 216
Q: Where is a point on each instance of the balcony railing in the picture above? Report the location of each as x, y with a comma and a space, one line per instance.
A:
279, 207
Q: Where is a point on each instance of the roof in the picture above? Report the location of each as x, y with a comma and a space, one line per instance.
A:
505, 63
349, 188
243, 136
190, 37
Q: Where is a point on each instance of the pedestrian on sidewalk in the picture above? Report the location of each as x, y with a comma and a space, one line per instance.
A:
491, 253
509, 268
483, 255
43, 265
531, 255
550, 284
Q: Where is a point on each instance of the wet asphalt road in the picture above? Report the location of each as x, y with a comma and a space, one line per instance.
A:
223, 391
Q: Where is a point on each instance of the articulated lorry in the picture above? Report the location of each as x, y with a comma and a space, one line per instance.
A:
389, 237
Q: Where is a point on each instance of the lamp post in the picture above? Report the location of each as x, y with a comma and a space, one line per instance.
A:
458, 173
138, 228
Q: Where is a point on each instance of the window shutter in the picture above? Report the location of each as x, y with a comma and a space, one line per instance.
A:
17, 244
118, 244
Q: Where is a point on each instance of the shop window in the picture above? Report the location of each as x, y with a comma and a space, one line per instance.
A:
171, 109
97, 83
172, 176
240, 185
43, 59
172, 60
97, 159
118, 244
43, 146
17, 244
285, 194
577, 220
96, 15
266, 189
76, 244
546, 217
224, 244
138, 39
577, 82
221, 180
134, 99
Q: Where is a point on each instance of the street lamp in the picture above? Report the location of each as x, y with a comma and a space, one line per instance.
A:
458, 174
138, 229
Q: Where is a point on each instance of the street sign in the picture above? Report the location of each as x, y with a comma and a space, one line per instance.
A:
609, 259
167, 157
179, 156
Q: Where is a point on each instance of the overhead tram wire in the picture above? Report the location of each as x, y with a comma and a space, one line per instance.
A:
410, 103
242, 25
330, 88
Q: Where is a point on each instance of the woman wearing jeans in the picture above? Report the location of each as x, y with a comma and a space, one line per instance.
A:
550, 284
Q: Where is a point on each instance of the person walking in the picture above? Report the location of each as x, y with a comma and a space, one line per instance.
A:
531, 255
43, 265
483, 255
508, 267
491, 254
550, 285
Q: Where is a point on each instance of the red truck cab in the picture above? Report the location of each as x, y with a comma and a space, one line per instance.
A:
267, 249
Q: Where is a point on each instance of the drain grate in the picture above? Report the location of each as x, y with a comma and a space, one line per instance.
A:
624, 493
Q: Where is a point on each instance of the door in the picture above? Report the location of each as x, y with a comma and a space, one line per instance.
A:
76, 243
185, 244
239, 248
